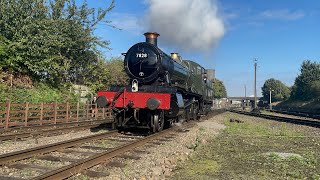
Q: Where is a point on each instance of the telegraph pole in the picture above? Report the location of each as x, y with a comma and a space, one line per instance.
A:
270, 105
245, 95
255, 83
245, 91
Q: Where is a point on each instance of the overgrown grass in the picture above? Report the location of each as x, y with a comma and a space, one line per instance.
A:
106, 143
312, 105
194, 145
81, 177
250, 150
199, 168
37, 94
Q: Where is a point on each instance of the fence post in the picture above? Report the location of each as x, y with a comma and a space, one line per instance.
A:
67, 111
78, 104
26, 112
96, 111
87, 110
41, 114
8, 113
55, 112
103, 111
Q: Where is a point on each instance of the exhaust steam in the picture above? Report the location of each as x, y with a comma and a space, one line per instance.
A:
188, 24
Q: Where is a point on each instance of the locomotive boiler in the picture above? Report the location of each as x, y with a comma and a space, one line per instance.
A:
164, 89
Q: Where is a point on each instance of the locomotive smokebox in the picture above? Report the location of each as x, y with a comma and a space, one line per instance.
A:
151, 37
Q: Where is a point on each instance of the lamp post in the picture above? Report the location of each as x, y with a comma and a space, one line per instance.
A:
255, 84
270, 105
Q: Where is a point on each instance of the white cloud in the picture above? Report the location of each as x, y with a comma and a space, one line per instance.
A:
126, 22
230, 16
283, 14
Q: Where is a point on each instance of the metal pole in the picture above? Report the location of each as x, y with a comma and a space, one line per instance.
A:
245, 95
255, 84
270, 99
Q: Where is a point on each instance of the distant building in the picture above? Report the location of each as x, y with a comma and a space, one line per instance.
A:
211, 74
83, 91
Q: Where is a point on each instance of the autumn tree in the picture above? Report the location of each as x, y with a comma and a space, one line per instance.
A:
219, 89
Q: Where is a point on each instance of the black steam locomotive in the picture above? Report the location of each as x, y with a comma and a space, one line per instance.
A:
164, 89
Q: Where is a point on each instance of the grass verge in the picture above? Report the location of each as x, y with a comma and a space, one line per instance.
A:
255, 149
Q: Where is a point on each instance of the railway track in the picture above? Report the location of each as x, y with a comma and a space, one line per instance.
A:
85, 155
50, 130
97, 154
297, 113
84, 164
299, 121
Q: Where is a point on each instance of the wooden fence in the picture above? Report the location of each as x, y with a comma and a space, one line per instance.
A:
26, 114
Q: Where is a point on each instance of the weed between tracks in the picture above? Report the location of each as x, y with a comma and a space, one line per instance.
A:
7, 142
80, 177
255, 149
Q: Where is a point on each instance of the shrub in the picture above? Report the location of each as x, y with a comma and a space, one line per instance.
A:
40, 93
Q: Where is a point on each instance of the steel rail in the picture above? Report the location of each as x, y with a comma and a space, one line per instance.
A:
26, 128
282, 119
77, 167
50, 131
297, 113
23, 154
72, 169
40, 132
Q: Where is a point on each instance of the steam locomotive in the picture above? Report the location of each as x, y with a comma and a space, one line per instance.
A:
163, 90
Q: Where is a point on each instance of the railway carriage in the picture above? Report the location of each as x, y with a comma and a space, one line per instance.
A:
164, 89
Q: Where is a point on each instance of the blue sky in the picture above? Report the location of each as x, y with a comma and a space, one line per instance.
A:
280, 34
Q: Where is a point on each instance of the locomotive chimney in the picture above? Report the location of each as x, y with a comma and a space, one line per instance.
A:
151, 37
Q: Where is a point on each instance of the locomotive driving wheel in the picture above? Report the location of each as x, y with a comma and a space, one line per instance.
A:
157, 121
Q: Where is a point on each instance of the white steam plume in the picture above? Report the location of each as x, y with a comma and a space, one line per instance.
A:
186, 24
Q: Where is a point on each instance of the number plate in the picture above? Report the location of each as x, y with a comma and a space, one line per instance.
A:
141, 55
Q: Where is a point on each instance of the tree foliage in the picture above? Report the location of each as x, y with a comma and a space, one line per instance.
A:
3, 50
307, 84
219, 89
50, 41
39, 93
107, 73
279, 91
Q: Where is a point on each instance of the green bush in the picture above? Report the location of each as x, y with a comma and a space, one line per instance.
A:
3, 93
40, 93
307, 84
315, 88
